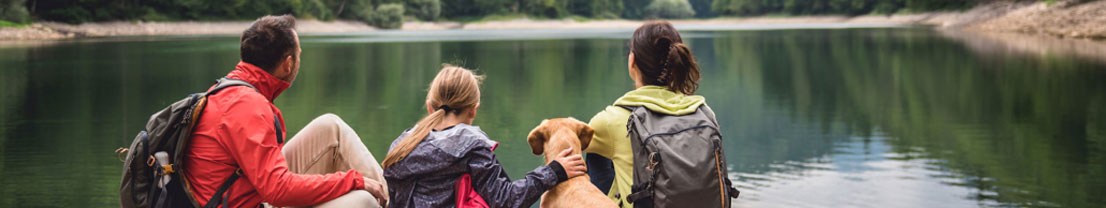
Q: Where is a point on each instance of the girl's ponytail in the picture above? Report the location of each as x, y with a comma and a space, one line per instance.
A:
408, 144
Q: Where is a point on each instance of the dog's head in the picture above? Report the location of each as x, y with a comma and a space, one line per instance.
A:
544, 131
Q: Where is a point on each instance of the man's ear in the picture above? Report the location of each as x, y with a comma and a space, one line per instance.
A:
537, 138
289, 64
283, 70
584, 132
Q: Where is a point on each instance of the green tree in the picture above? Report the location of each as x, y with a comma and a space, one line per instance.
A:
847, 7
702, 8
887, 7
605, 9
930, 5
634, 9
351, 9
476, 8
87, 10
545, 8
424, 9
14, 11
387, 16
669, 9
311, 9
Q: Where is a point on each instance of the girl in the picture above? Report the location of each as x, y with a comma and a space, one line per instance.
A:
665, 78
433, 163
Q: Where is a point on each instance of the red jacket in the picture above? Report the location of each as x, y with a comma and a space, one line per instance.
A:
236, 130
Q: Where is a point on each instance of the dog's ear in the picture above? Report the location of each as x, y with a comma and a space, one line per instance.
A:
537, 138
584, 132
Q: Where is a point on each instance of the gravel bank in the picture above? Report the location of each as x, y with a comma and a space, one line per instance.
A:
1069, 19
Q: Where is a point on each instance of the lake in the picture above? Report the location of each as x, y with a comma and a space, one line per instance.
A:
817, 116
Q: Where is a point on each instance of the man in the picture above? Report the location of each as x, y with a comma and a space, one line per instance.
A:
241, 129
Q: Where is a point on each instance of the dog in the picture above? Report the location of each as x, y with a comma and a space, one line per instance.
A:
553, 136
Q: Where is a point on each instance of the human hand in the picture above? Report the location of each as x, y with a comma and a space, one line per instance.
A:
573, 164
378, 190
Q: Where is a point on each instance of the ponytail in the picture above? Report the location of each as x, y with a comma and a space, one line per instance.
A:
663, 59
681, 70
408, 144
453, 91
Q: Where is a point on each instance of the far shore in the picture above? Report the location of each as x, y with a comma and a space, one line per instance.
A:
1081, 21
55, 30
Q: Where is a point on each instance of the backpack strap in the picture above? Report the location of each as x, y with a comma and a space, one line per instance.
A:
220, 196
641, 191
629, 108
276, 125
644, 190
710, 114
223, 83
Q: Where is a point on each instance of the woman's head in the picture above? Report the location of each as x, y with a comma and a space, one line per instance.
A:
660, 57
455, 91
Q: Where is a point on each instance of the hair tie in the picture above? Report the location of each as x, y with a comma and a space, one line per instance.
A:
444, 108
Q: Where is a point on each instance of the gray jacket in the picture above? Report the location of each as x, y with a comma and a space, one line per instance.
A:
426, 177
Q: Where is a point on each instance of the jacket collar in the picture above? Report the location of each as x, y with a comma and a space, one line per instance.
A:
267, 84
660, 99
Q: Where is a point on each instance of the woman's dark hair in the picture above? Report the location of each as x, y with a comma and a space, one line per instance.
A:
663, 59
268, 40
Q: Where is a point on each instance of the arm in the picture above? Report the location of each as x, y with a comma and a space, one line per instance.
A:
492, 183
250, 140
601, 168
601, 171
603, 142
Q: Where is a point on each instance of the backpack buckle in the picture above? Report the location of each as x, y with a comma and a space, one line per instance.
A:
119, 153
654, 160
150, 161
167, 169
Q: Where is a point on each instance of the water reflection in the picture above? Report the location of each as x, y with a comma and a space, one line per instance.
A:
899, 117
1009, 130
863, 172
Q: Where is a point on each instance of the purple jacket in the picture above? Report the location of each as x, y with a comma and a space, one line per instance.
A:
426, 177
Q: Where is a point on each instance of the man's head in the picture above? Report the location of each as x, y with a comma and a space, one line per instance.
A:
271, 43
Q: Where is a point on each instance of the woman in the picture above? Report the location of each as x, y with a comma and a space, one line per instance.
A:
665, 78
426, 162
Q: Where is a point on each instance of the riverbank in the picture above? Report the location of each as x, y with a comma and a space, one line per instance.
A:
1062, 19
1069, 19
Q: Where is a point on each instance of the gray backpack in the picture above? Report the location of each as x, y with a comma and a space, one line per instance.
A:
678, 160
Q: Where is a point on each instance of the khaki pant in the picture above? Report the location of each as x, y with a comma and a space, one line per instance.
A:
328, 145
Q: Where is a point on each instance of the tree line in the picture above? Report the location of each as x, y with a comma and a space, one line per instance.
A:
391, 13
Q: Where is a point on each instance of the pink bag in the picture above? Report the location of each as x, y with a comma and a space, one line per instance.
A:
466, 195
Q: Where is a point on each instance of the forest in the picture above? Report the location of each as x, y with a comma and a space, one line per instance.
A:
391, 13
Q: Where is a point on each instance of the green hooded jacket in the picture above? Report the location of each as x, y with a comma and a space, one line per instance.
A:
612, 141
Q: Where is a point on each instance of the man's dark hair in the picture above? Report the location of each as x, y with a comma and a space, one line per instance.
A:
268, 40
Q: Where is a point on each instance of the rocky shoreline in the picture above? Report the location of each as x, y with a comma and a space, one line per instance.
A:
1067, 19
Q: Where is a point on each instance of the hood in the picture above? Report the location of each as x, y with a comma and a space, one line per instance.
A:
660, 99
439, 152
267, 84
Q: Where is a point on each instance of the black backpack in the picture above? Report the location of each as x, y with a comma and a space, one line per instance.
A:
153, 171
678, 160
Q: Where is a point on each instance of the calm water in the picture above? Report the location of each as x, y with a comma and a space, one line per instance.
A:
865, 117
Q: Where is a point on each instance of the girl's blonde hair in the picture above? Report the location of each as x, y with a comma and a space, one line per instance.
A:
454, 90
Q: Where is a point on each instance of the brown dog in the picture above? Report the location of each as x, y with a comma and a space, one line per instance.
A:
552, 137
